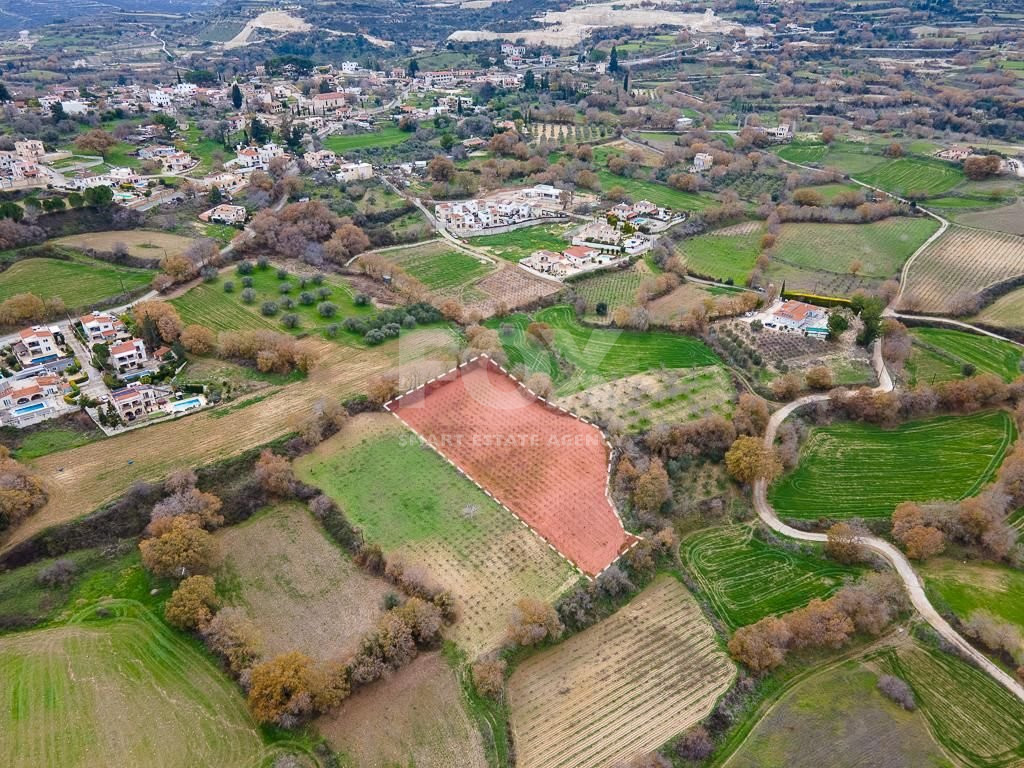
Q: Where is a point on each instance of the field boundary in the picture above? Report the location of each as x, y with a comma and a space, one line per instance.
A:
487, 360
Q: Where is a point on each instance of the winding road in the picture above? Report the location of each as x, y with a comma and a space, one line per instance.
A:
899, 562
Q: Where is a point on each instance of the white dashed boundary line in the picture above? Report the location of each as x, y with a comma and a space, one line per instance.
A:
608, 473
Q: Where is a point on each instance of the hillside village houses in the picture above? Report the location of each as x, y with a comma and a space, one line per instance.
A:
574, 260
128, 355
23, 403
255, 158
354, 172
138, 400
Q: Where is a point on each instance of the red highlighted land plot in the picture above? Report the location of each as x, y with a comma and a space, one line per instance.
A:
545, 465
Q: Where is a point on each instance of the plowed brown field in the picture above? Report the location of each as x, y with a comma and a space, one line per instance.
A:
545, 465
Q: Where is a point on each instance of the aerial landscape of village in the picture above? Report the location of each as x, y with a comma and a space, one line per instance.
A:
512, 384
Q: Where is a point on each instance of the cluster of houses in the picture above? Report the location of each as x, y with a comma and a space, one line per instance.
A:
327, 160
571, 261
41, 378
503, 212
21, 163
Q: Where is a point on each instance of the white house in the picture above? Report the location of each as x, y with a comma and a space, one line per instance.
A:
128, 354
137, 400
329, 100
37, 344
350, 67
74, 107
29, 149
224, 214
160, 100
324, 158
354, 172
799, 317
703, 161
28, 402
102, 327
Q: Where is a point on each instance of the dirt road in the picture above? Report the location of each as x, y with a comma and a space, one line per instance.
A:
899, 562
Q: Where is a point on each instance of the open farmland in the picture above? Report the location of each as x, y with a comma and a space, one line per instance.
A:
597, 354
513, 288
947, 277
414, 505
726, 255
295, 584
81, 479
442, 269
206, 304
80, 282
971, 715
821, 258
746, 578
615, 288
914, 176
415, 717
843, 471
124, 691
673, 307
620, 688
633, 403
655, 192
1007, 218
1006, 311
967, 587
863, 728
548, 467
141, 243
940, 354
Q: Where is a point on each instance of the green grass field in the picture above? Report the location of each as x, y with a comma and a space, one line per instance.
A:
971, 715
439, 267
954, 349
838, 718
860, 470
597, 354
118, 691
207, 304
913, 175
722, 257
413, 504
41, 442
616, 288
973, 586
746, 579
520, 243
80, 282
385, 137
881, 247
657, 193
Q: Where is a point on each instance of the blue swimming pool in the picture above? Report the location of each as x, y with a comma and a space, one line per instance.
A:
30, 408
184, 405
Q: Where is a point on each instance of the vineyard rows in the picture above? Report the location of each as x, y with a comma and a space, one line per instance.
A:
620, 688
746, 579
947, 275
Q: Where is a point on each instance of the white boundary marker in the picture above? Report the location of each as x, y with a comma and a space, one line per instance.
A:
608, 473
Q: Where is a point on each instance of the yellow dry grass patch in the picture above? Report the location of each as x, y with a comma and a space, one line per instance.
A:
82, 479
620, 688
416, 717
141, 243
302, 591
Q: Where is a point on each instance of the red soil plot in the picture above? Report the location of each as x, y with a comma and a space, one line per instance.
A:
546, 466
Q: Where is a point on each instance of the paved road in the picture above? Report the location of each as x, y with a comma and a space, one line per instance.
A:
899, 562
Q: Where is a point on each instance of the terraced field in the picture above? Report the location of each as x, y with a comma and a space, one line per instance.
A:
597, 354
620, 688
1005, 312
970, 715
953, 270
845, 469
412, 503
80, 282
746, 579
941, 354
124, 691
